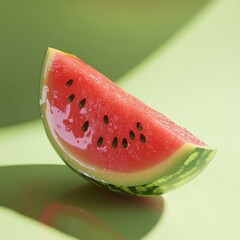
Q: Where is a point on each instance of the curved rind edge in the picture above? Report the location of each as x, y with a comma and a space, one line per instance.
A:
188, 168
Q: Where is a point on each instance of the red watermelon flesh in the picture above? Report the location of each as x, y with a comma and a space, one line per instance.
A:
97, 126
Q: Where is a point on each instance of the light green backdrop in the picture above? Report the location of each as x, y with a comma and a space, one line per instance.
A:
112, 36
194, 78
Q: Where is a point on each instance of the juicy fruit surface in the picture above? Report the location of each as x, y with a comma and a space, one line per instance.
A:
100, 130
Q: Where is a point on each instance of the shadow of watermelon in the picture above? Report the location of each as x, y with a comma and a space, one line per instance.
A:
112, 37
59, 198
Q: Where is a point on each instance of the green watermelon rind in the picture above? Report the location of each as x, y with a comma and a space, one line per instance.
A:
188, 167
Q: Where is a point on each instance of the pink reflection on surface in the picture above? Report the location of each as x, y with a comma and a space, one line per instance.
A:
77, 221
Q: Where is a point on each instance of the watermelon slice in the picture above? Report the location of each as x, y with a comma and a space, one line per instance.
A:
110, 137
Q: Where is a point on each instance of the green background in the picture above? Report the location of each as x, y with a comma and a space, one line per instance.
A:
187, 67
112, 36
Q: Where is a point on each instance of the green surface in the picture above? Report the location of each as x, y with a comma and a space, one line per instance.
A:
74, 208
112, 36
197, 69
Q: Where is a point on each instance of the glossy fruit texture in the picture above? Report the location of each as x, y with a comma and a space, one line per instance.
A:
110, 136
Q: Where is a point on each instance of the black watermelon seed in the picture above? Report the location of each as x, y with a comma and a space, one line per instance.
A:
70, 98
131, 134
139, 126
115, 142
100, 141
124, 143
142, 138
105, 119
85, 126
69, 83
82, 103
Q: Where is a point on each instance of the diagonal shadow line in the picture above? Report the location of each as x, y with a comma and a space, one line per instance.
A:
112, 37
55, 196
